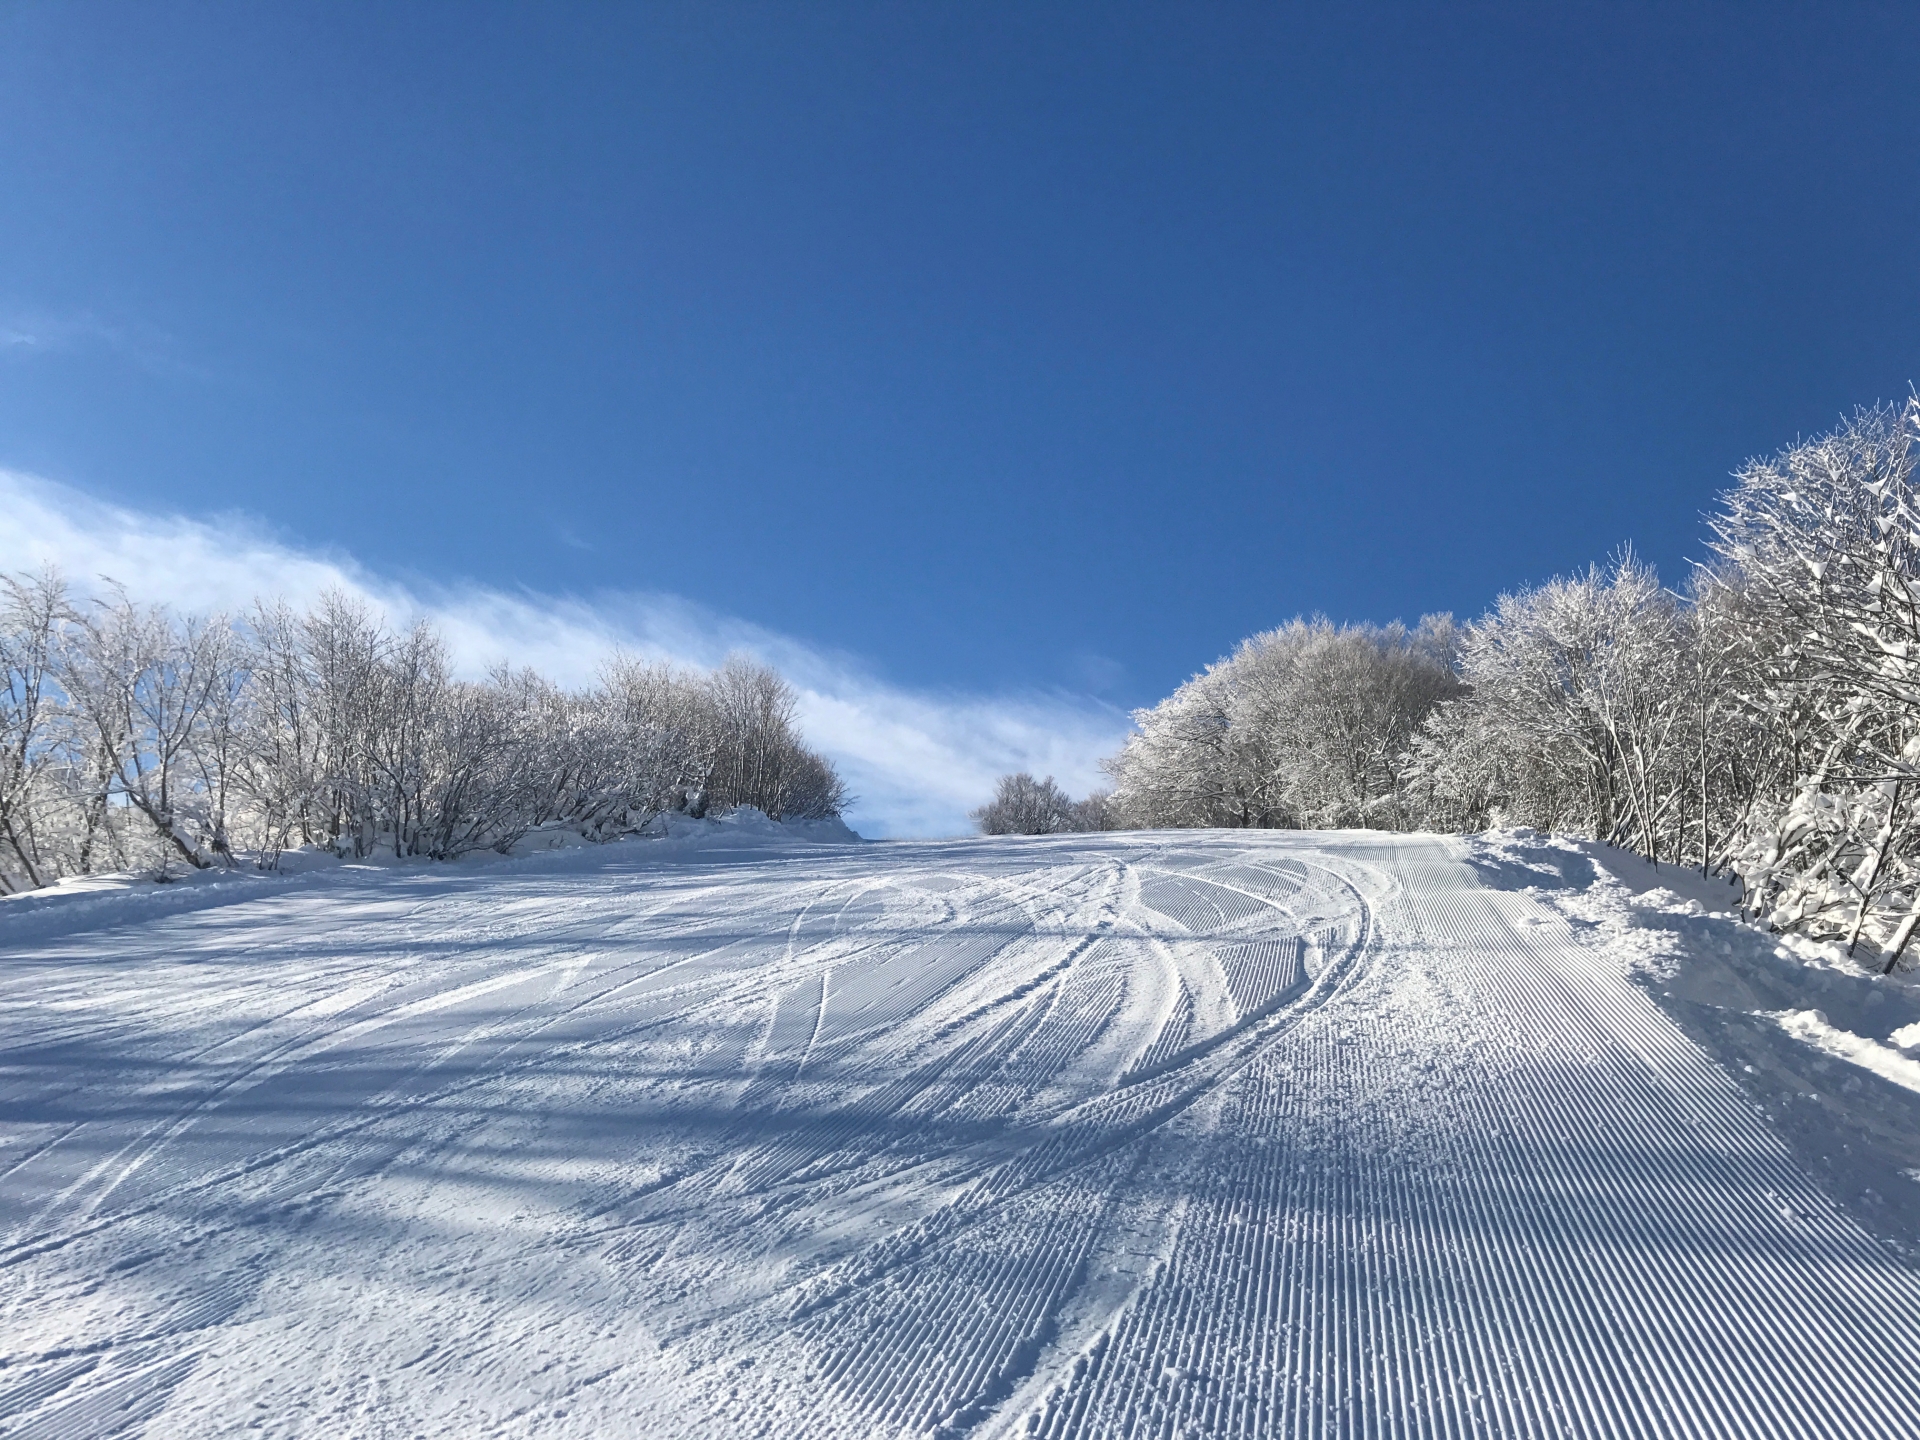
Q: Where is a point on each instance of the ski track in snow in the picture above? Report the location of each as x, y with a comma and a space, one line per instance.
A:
1134, 1135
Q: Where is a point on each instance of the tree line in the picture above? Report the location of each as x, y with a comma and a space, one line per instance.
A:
133, 737
1762, 722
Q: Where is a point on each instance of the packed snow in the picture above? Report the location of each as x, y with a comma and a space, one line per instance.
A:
743, 1131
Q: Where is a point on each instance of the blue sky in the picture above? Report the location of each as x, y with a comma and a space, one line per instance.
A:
1022, 354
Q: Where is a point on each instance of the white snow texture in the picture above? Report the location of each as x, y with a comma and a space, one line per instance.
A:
740, 1133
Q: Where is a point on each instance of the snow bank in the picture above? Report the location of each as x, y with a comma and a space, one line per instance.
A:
90, 902
1812, 1027
1814, 1037
748, 829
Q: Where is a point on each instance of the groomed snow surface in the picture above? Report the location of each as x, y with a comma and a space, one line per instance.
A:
1129, 1135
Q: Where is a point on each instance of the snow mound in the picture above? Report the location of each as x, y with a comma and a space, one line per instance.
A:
1811, 1027
1812, 1035
87, 902
748, 828
745, 828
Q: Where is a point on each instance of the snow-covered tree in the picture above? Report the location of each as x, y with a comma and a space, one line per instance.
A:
1022, 805
1573, 712
1762, 722
33, 618
1306, 725
130, 736
1821, 560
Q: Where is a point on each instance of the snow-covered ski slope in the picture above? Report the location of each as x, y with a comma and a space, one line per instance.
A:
1137, 1135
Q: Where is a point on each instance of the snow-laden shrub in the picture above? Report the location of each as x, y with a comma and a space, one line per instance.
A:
129, 736
1022, 805
1821, 546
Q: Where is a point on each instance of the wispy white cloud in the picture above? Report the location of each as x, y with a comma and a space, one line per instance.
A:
917, 759
28, 335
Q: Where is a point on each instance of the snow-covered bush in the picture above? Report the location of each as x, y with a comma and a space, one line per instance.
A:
1022, 805
129, 736
1820, 551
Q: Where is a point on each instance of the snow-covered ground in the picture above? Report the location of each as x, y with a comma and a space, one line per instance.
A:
1167, 1134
